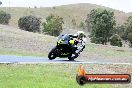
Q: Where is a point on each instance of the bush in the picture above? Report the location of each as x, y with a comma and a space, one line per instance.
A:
115, 40
53, 25
4, 17
120, 30
29, 23
130, 39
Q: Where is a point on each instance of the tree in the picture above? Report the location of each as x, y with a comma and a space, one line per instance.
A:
35, 7
115, 40
129, 25
0, 2
53, 25
102, 23
4, 17
29, 23
120, 30
128, 32
130, 39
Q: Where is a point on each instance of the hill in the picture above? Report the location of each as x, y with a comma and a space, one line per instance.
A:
14, 41
68, 12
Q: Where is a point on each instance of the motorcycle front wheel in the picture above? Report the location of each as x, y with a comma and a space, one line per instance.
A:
51, 54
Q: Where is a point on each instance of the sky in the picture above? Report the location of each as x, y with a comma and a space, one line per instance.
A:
122, 5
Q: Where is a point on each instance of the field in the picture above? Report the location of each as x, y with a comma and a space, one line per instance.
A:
52, 75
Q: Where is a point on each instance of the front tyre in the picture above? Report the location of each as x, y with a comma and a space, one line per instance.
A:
51, 54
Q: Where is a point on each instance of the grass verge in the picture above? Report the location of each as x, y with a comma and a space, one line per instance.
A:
90, 49
42, 76
4, 51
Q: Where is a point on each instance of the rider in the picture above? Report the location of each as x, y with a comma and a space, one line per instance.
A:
79, 41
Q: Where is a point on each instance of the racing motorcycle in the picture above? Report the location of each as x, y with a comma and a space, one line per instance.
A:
64, 48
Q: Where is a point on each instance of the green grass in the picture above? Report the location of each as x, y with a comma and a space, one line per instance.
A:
5, 51
42, 76
90, 48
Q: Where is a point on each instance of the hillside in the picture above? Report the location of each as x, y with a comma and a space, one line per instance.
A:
68, 12
14, 41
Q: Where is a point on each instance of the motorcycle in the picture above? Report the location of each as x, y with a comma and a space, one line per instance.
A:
64, 48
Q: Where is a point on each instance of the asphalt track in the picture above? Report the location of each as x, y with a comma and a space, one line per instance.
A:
30, 59
33, 60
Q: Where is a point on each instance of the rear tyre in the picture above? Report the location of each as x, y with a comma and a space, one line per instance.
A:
51, 54
71, 58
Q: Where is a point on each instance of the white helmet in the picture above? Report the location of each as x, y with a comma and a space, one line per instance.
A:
80, 34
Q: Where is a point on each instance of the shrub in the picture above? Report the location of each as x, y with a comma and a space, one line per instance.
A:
53, 25
120, 30
115, 40
29, 23
4, 17
130, 39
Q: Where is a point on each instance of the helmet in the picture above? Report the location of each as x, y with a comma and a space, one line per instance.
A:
80, 34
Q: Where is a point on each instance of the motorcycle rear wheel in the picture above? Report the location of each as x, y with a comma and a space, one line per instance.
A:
71, 58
